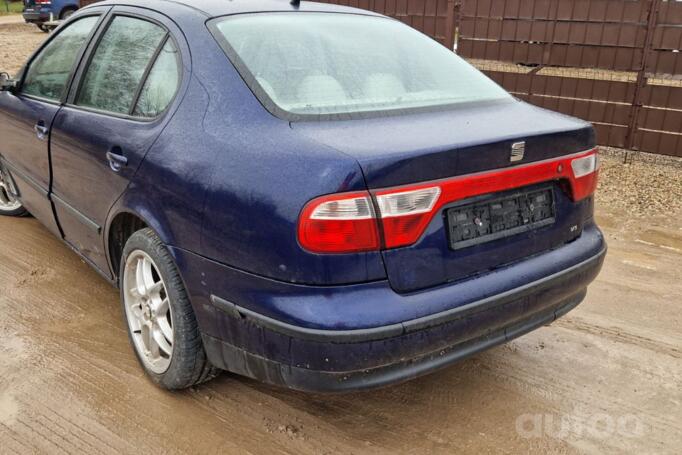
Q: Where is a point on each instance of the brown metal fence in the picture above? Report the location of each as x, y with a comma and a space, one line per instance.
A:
435, 18
615, 63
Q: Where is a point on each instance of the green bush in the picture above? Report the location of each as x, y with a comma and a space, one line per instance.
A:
8, 7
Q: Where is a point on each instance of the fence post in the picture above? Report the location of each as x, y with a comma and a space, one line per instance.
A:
548, 47
652, 20
450, 25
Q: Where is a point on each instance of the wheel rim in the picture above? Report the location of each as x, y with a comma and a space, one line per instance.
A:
148, 311
8, 202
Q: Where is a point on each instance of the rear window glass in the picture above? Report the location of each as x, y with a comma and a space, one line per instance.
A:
313, 64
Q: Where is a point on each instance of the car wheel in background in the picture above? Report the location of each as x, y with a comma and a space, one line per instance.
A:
66, 14
161, 323
9, 203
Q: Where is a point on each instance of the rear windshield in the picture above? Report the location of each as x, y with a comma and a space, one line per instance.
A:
321, 64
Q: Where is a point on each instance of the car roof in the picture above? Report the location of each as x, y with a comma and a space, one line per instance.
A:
214, 8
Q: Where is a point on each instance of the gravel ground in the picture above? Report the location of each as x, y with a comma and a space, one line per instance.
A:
646, 185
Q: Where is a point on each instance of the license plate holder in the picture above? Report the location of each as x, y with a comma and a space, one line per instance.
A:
484, 220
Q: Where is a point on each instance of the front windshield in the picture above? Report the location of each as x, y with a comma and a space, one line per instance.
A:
329, 64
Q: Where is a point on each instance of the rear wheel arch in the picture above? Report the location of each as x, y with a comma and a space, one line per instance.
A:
122, 226
133, 211
128, 216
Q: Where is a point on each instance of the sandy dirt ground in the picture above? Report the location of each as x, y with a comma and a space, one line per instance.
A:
11, 19
607, 378
17, 41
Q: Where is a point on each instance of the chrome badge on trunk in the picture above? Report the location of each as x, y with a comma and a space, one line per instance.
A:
518, 150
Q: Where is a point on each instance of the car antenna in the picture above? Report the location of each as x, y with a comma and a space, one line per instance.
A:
295, 3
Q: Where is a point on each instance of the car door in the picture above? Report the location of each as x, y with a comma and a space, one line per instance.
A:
27, 113
111, 119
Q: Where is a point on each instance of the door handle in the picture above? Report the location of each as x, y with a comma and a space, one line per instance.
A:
116, 161
41, 130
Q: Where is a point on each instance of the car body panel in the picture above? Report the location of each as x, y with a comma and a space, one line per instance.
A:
365, 305
398, 150
256, 231
80, 142
174, 172
25, 154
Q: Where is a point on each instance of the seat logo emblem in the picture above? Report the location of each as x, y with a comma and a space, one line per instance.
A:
518, 150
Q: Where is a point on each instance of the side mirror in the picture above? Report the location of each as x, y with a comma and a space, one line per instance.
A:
7, 83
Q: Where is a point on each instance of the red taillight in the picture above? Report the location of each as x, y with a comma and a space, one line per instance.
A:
346, 223
342, 223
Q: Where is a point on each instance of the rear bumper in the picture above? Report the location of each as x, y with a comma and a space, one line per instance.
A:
323, 359
239, 361
36, 17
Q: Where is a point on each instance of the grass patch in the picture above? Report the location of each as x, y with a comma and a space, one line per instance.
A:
7, 7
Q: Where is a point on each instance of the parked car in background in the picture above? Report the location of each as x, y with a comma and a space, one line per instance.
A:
314, 196
40, 12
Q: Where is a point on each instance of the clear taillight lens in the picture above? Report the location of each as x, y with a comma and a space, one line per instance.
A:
585, 165
408, 202
359, 208
586, 175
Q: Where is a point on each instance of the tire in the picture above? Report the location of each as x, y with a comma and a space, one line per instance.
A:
9, 204
43, 28
65, 14
152, 308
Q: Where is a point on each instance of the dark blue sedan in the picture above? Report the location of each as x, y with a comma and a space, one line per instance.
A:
314, 196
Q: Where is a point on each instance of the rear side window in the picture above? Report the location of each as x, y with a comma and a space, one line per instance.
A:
49, 73
162, 83
118, 66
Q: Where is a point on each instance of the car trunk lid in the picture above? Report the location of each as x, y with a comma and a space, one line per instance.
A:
412, 149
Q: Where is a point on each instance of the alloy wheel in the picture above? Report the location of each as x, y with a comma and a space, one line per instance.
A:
8, 202
148, 311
